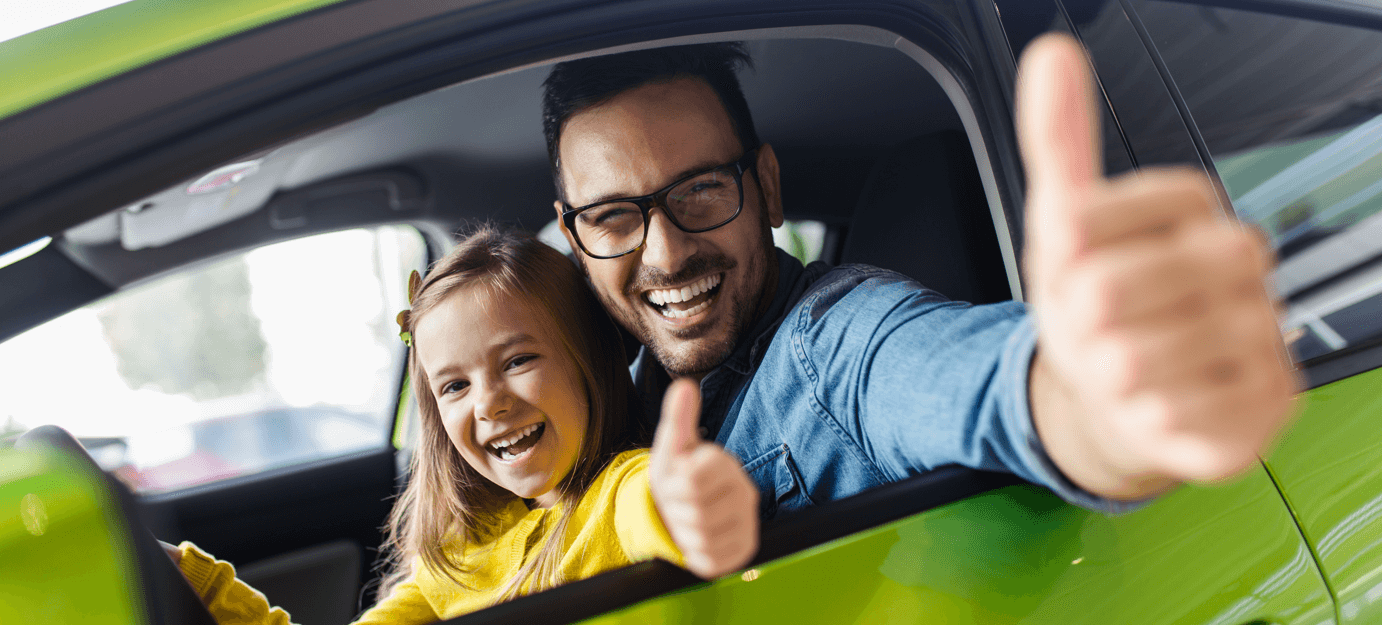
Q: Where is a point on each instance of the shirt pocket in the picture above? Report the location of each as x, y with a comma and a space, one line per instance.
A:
779, 482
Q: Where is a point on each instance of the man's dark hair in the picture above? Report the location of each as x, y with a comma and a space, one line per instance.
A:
574, 86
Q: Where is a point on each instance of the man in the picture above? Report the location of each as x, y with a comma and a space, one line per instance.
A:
1149, 356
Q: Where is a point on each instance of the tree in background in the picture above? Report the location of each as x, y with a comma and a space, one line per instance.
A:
189, 334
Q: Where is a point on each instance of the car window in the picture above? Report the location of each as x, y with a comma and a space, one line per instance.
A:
280, 355
1291, 113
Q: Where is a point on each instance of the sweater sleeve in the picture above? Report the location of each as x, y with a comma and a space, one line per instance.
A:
405, 604
233, 602
230, 601
636, 520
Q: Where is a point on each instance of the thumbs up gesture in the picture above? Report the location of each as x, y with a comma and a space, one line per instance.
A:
707, 502
1159, 359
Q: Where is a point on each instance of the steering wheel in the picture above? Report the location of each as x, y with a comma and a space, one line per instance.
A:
168, 598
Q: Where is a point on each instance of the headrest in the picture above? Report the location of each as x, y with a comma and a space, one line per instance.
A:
923, 213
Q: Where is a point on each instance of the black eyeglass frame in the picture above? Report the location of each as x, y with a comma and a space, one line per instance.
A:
646, 203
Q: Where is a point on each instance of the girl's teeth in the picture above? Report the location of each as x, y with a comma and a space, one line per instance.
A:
514, 438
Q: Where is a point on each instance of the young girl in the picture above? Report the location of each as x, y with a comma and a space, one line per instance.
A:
523, 477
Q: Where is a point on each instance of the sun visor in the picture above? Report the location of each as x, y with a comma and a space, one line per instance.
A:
222, 195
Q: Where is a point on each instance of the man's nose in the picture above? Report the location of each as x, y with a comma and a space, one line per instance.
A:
666, 246
492, 401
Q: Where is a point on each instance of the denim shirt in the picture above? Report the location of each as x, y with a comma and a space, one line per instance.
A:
858, 376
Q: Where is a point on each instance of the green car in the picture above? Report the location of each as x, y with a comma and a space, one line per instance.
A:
213, 207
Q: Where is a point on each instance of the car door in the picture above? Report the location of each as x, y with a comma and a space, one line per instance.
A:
1287, 103
1225, 554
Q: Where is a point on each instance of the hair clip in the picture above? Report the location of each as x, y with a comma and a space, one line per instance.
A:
403, 333
414, 285
404, 317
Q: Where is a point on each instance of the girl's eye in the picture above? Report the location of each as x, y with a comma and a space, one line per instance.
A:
519, 361
454, 387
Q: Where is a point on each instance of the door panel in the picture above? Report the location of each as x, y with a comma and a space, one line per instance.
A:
1225, 555
1328, 466
289, 527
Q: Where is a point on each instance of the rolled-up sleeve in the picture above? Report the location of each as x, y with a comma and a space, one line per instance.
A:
921, 382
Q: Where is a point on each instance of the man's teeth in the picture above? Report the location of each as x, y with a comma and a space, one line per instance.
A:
502, 443
672, 296
680, 314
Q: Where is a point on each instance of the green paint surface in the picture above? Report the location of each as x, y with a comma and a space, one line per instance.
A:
45, 64
63, 558
1224, 554
1328, 466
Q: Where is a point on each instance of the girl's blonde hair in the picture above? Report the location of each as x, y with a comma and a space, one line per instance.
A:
445, 497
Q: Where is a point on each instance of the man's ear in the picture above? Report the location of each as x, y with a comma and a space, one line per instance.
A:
561, 223
770, 184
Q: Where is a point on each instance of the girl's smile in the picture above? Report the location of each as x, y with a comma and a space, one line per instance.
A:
511, 399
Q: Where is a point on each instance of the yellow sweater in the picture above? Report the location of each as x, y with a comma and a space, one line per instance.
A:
614, 524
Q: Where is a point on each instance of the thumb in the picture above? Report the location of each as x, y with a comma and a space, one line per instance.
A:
681, 411
1057, 120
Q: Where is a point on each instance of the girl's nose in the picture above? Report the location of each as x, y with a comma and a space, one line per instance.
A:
494, 402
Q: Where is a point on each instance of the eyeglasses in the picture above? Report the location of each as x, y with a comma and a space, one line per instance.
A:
700, 202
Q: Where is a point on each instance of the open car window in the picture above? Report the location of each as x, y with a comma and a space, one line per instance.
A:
277, 356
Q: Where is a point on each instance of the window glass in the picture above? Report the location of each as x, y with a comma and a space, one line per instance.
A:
1291, 111
284, 354
803, 239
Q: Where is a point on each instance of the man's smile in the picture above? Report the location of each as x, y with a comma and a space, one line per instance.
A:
680, 303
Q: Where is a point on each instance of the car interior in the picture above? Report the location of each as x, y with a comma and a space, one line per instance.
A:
876, 143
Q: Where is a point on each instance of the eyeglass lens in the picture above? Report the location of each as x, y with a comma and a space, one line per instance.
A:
708, 200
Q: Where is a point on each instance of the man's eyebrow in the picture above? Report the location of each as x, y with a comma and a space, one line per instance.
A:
694, 169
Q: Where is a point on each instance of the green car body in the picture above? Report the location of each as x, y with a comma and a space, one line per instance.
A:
1294, 540
66, 551
120, 38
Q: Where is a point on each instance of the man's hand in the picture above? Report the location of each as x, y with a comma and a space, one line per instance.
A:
1159, 359
707, 502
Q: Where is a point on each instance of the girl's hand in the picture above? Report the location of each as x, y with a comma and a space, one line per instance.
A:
707, 502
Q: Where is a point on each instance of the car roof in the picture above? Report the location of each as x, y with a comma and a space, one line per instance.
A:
120, 38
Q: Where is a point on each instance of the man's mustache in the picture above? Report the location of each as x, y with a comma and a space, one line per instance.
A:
696, 267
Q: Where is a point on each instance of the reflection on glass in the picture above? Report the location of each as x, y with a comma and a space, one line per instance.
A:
1289, 109
1320, 201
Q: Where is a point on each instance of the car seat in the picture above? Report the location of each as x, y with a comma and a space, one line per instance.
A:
923, 213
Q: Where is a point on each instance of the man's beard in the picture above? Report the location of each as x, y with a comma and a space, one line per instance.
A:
671, 347
742, 312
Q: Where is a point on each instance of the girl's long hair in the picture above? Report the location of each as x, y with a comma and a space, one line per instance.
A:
445, 498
